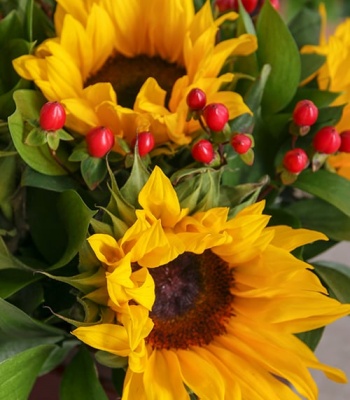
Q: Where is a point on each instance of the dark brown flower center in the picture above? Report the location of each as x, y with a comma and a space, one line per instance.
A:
127, 75
193, 301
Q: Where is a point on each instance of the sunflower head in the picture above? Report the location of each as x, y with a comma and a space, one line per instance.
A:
206, 290
134, 74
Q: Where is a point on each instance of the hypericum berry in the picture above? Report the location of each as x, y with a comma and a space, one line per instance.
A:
225, 5
100, 141
203, 151
249, 5
345, 142
216, 116
196, 99
295, 160
275, 4
305, 113
145, 142
327, 140
241, 143
52, 116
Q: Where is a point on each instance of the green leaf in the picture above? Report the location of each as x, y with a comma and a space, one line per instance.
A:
328, 186
306, 27
93, 170
11, 281
19, 332
310, 63
59, 224
253, 97
336, 277
32, 178
58, 355
8, 261
28, 104
281, 52
321, 98
80, 380
18, 374
311, 338
8, 178
76, 218
136, 181
53, 140
321, 216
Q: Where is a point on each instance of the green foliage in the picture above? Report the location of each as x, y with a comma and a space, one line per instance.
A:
80, 380
283, 82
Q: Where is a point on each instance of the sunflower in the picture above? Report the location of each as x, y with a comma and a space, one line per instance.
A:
208, 304
129, 65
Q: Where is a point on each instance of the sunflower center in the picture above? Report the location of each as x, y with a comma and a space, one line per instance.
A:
127, 75
193, 301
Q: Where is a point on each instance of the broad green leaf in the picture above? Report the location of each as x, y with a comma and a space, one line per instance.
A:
321, 98
59, 224
336, 277
281, 53
306, 27
93, 170
8, 261
58, 355
75, 216
311, 338
11, 281
28, 104
32, 178
80, 380
8, 168
321, 216
310, 63
19, 332
18, 373
328, 186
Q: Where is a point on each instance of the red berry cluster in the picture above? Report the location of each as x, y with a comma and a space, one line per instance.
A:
326, 141
214, 118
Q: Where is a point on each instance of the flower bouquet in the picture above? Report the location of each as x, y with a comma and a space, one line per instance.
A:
168, 171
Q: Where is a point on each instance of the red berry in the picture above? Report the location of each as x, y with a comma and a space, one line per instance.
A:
225, 5
203, 151
100, 141
241, 143
327, 140
345, 142
145, 142
52, 116
249, 5
216, 116
196, 99
295, 160
275, 4
305, 113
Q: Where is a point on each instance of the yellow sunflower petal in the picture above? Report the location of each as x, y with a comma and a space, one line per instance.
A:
201, 376
163, 370
106, 248
134, 387
107, 337
158, 191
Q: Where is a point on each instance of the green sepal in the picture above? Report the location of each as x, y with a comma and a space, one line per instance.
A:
248, 157
317, 161
84, 282
111, 360
136, 181
198, 189
64, 135
119, 227
79, 153
118, 205
53, 140
287, 177
36, 137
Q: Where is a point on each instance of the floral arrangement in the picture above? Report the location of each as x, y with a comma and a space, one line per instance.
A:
168, 171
